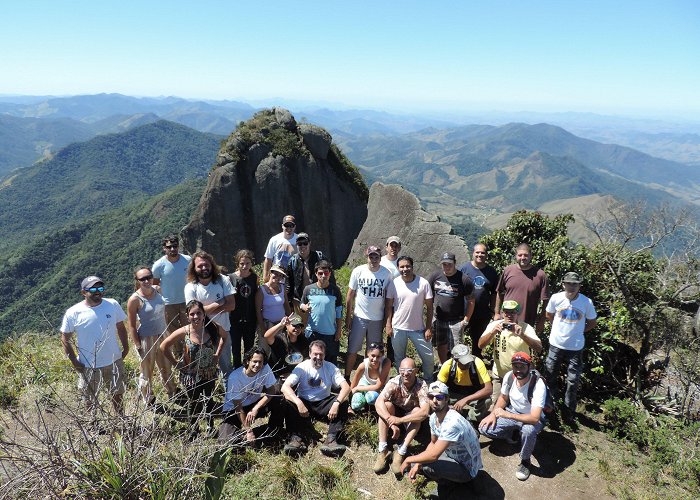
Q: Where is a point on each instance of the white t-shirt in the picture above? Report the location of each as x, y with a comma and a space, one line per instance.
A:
248, 390
96, 331
391, 265
280, 250
569, 320
464, 445
213, 292
370, 288
408, 302
518, 395
315, 385
173, 277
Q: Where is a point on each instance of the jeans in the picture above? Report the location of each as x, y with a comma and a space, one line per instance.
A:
225, 363
504, 429
446, 469
425, 350
574, 361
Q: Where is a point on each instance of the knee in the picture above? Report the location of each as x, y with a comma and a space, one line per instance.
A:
371, 397
358, 401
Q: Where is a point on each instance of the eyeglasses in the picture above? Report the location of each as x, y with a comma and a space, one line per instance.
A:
323, 273
146, 278
94, 289
406, 370
171, 246
302, 243
437, 397
289, 224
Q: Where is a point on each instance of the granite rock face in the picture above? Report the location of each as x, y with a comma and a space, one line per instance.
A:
393, 211
270, 167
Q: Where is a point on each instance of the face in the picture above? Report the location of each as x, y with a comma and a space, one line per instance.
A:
408, 373
373, 260
571, 287
294, 331
245, 265
448, 267
523, 257
317, 356
480, 254
256, 363
195, 315
323, 275
202, 268
406, 270
520, 370
374, 356
393, 249
276, 277
145, 278
511, 316
93, 295
288, 228
171, 248
438, 401
304, 248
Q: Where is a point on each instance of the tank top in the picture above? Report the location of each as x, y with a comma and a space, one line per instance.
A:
372, 381
151, 315
273, 305
201, 363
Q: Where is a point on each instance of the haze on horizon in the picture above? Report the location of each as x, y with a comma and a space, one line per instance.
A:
627, 57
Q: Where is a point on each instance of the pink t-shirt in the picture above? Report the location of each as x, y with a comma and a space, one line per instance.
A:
408, 302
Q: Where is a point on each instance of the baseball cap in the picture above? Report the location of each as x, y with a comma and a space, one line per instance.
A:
393, 239
521, 357
448, 256
438, 387
278, 269
303, 236
510, 305
289, 218
462, 353
90, 281
571, 277
295, 319
373, 249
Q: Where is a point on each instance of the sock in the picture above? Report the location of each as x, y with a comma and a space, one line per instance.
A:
403, 449
382, 446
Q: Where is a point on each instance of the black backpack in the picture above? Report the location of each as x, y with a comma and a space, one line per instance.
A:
549, 405
473, 377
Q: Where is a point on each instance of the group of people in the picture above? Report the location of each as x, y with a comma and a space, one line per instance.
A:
275, 340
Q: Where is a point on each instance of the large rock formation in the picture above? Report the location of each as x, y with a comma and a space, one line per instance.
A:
267, 168
393, 211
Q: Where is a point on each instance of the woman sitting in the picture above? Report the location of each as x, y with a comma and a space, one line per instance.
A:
369, 381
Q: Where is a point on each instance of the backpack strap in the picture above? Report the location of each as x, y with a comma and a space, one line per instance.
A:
453, 372
533, 382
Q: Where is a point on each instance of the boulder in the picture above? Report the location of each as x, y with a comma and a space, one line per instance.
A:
393, 211
316, 139
266, 170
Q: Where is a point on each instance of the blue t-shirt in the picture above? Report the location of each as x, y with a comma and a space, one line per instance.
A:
485, 281
173, 277
326, 307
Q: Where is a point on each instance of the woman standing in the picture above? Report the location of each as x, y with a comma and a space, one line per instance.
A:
198, 367
145, 308
244, 318
271, 304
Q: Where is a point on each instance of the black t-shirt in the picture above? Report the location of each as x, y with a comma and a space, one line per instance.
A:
485, 281
279, 350
246, 288
449, 293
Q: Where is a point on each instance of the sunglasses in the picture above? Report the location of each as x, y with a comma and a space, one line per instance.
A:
171, 246
277, 275
406, 370
145, 278
323, 273
289, 224
302, 243
438, 397
376, 345
94, 289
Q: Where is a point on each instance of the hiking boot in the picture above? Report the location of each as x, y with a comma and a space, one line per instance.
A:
331, 447
396, 462
382, 460
523, 470
295, 445
513, 439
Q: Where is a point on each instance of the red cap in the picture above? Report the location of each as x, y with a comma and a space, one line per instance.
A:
521, 357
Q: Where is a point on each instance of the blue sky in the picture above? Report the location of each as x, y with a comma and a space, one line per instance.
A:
616, 57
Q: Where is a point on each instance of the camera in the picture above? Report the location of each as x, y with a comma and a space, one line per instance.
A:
508, 326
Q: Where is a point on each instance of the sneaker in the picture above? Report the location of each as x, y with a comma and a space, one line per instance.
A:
382, 460
396, 462
295, 445
513, 438
523, 470
331, 447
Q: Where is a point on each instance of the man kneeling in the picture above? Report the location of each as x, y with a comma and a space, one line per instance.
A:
516, 410
469, 384
314, 379
454, 454
250, 394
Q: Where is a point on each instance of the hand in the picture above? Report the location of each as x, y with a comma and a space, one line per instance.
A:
338, 334
488, 421
395, 431
428, 334
333, 412
284, 321
459, 405
517, 331
413, 472
250, 418
303, 411
499, 412
250, 436
389, 331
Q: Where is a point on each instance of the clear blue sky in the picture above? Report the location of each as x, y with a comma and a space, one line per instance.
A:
640, 57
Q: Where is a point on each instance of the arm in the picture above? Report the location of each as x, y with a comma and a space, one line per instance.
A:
490, 419
342, 397
349, 308
223, 336
528, 418
549, 316
470, 308
132, 307
428, 319
590, 324
539, 327
169, 341
123, 338
354, 383
275, 329
289, 284
267, 264
497, 307
389, 313
532, 341
414, 416
253, 413
435, 448
67, 341
258, 307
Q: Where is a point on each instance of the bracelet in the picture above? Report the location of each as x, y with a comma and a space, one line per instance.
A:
337, 401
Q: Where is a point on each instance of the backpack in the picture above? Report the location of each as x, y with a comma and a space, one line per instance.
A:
473, 378
549, 405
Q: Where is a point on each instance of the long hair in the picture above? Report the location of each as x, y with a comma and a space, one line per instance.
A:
209, 325
201, 254
252, 352
245, 253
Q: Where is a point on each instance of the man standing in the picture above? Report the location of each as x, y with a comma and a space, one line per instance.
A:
485, 278
390, 260
96, 322
519, 408
364, 305
170, 272
527, 285
314, 379
454, 305
213, 289
404, 401
300, 272
323, 302
468, 383
281, 247
454, 454
406, 297
572, 315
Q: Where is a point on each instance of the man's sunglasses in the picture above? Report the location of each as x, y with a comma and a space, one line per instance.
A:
438, 397
289, 224
323, 273
94, 289
170, 247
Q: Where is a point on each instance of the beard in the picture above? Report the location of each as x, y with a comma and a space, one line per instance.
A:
521, 375
203, 274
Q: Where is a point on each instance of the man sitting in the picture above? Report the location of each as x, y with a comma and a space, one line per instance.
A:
518, 408
468, 382
404, 400
248, 394
314, 380
454, 454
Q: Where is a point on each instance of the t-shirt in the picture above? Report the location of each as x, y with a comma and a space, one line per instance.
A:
315, 385
396, 393
408, 302
518, 401
173, 277
464, 445
505, 344
246, 288
450, 293
213, 292
281, 347
96, 331
462, 378
247, 389
279, 249
370, 288
326, 307
569, 320
485, 281
527, 287
391, 265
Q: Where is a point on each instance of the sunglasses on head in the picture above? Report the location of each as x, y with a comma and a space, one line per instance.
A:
146, 278
438, 397
289, 224
94, 289
376, 345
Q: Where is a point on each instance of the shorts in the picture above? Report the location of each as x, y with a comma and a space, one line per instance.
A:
447, 332
360, 328
111, 377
